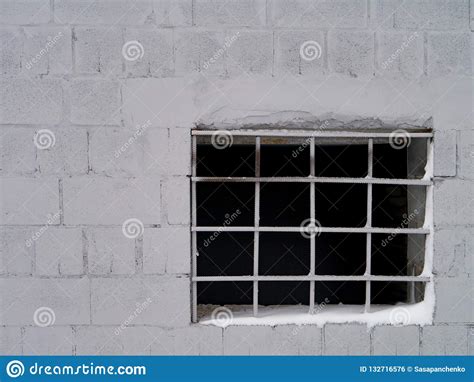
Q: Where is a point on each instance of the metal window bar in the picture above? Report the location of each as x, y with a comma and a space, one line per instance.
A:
368, 260
311, 277
256, 225
194, 233
314, 179
310, 133
312, 214
415, 231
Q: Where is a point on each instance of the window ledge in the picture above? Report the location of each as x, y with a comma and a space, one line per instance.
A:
396, 315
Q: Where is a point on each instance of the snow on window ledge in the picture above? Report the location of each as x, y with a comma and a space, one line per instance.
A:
395, 315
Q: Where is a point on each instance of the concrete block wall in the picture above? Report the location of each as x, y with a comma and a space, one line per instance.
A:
95, 130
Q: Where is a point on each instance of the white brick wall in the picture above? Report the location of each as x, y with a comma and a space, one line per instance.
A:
221, 64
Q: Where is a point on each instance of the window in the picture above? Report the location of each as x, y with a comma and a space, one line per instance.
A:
285, 219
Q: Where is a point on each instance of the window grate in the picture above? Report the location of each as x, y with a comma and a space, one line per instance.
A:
312, 137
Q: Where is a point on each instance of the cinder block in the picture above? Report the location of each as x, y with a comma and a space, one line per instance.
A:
160, 301
25, 11
47, 50
155, 255
156, 46
449, 54
116, 340
391, 340
240, 12
249, 52
12, 44
279, 340
173, 12
154, 152
16, 251
29, 201
319, 13
445, 153
300, 340
471, 338
31, 101
166, 250
110, 252
136, 340
249, 340
98, 50
176, 200
95, 102
450, 200
128, 151
48, 341
17, 151
400, 54
453, 300
97, 340
179, 158
113, 12
140, 150
382, 13
455, 112
111, 201
194, 340
435, 14
351, 52
68, 156
59, 252
466, 154
67, 298
199, 51
444, 340
11, 340
453, 249
164, 102
472, 16
297, 52
346, 339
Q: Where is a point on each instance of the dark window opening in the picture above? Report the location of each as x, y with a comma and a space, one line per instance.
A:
340, 254
344, 222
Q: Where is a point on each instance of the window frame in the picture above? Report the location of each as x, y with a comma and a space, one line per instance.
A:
312, 136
